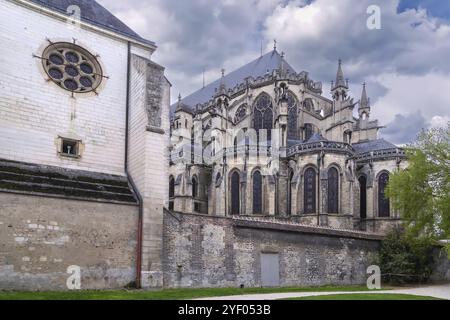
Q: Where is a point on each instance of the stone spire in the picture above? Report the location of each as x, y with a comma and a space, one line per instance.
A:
179, 102
340, 80
364, 104
339, 89
222, 87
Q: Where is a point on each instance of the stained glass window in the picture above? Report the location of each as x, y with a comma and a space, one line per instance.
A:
362, 197
194, 187
257, 193
235, 197
289, 195
263, 115
171, 187
292, 133
171, 192
333, 190
310, 191
240, 113
308, 131
383, 201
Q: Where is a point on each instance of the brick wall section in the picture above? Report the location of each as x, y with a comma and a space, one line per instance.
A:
41, 237
33, 112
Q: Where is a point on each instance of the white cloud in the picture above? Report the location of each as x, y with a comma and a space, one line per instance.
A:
405, 63
439, 121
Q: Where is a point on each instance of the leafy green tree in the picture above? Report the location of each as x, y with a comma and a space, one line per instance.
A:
421, 193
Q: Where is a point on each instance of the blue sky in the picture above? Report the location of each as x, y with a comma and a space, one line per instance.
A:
436, 8
405, 63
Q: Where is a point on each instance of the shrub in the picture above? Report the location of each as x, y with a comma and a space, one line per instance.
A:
404, 259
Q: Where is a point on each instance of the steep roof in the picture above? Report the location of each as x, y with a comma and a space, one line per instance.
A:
95, 14
259, 67
373, 145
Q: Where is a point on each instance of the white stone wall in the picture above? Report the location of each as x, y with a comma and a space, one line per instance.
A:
34, 111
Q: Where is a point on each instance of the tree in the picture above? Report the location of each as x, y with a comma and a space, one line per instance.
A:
421, 193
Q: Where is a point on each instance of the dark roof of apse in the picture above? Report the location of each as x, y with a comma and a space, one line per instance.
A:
95, 14
258, 67
373, 145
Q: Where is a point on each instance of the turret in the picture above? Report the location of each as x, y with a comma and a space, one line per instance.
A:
339, 89
364, 104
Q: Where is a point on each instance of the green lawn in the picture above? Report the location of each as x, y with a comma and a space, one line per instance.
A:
367, 296
168, 294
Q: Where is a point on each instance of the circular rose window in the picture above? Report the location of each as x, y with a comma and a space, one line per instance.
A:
72, 67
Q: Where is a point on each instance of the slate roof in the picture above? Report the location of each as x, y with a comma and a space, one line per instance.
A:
95, 14
259, 67
28, 178
373, 145
316, 137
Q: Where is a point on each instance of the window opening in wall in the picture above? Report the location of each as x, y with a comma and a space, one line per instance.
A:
69, 148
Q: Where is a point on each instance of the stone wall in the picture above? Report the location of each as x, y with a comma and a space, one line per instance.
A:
201, 251
40, 237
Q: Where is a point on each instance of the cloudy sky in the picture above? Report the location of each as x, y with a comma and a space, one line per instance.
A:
406, 63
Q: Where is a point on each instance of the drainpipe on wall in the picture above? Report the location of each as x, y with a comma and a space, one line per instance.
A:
130, 179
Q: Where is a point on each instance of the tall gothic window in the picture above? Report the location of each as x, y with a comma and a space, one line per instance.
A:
383, 201
308, 131
362, 197
194, 187
333, 190
263, 115
171, 192
292, 133
289, 195
310, 191
235, 194
257, 193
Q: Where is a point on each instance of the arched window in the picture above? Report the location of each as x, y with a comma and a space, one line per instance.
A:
263, 115
289, 195
308, 104
333, 190
310, 191
308, 131
383, 201
241, 112
235, 194
292, 133
218, 179
171, 192
257, 193
194, 187
362, 197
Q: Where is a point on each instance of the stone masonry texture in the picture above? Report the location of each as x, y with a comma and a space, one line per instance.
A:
41, 237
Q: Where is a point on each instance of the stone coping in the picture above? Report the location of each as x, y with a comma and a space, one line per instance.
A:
281, 225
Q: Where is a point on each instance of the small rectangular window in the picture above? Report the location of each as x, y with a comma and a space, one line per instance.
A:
69, 148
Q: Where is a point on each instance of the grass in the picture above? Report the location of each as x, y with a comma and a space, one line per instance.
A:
167, 294
366, 296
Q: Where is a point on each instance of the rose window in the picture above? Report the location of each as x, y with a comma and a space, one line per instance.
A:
72, 67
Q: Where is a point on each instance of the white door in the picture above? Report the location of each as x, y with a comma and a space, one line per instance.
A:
270, 270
